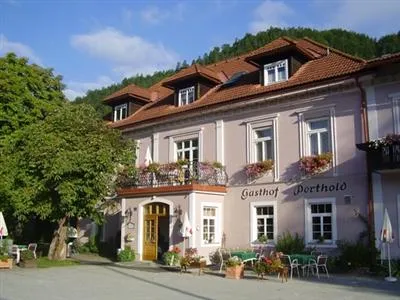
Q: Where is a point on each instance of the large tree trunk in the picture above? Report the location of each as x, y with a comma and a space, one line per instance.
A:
58, 246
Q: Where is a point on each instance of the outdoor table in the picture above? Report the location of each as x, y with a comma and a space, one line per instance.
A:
22, 247
302, 259
245, 256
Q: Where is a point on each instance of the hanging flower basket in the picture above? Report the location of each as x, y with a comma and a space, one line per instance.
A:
389, 139
311, 165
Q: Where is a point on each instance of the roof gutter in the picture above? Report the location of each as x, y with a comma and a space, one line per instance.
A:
239, 105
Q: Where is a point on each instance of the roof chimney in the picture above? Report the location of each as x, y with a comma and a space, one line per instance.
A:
327, 51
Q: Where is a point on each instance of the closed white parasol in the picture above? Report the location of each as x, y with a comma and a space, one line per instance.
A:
186, 230
387, 238
3, 226
147, 159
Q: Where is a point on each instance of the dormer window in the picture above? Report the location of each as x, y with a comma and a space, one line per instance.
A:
120, 112
186, 96
276, 72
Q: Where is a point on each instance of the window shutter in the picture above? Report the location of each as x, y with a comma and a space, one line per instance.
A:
197, 91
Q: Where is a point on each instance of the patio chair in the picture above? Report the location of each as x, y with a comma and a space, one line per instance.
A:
320, 263
32, 247
224, 256
291, 264
15, 252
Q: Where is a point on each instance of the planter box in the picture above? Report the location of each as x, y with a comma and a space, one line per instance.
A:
6, 264
32, 263
236, 272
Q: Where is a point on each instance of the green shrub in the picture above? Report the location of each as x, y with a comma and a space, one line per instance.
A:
355, 255
170, 258
126, 254
27, 255
289, 244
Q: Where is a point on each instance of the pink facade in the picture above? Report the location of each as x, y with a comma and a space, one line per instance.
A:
314, 110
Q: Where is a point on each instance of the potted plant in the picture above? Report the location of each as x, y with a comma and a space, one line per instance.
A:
171, 257
27, 259
262, 239
311, 165
258, 169
6, 261
234, 268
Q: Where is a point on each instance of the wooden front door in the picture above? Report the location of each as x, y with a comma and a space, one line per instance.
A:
151, 230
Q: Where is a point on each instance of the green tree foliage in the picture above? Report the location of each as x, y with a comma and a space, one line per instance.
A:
61, 167
350, 42
27, 93
389, 44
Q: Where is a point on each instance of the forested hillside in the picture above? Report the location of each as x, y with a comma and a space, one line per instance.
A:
357, 44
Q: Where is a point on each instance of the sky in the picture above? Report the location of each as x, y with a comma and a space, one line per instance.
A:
95, 43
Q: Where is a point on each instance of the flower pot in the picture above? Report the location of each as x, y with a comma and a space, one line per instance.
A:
235, 272
31, 263
6, 264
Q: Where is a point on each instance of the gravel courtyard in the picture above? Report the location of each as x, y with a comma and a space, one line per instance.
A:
110, 281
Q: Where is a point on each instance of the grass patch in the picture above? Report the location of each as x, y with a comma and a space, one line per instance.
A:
44, 262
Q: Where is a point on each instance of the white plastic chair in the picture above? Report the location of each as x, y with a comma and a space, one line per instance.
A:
16, 253
320, 263
224, 256
32, 247
291, 264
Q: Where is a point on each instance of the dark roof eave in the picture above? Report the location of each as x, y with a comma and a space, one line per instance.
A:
126, 95
273, 93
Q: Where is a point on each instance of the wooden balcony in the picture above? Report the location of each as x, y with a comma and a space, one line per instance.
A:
169, 175
382, 157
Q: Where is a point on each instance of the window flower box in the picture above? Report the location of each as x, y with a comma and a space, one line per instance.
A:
311, 165
388, 140
258, 169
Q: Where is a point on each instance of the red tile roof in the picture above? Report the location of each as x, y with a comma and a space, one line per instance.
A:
192, 71
130, 90
323, 65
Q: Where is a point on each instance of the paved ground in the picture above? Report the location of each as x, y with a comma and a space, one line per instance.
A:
103, 280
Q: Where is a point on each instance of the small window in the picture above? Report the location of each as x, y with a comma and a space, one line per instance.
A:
265, 222
321, 226
187, 150
276, 72
186, 96
318, 136
120, 112
209, 224
263, 140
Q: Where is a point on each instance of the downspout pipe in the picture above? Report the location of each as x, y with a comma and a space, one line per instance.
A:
365, 132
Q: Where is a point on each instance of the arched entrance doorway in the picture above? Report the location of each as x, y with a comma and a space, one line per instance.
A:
155, 230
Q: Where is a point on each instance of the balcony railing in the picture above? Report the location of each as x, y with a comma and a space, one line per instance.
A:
382, 157
174, 174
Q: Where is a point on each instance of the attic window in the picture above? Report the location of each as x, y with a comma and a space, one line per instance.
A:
186, 96
276, 72
120, 112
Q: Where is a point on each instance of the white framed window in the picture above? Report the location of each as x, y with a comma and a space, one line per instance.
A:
186, 96
320, 221
318, 136
211, 221
264, 221
120, 112
186, 145
276, 72
187, 150
262, 141
317, 131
